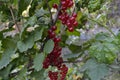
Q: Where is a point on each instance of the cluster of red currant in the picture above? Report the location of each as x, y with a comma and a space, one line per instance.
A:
54, 58
69, 21
66, 4
54, 75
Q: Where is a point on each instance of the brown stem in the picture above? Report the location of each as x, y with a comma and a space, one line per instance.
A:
11, 10
78, 61
49, 12
53, 22
16, 73
42, 47
57, 14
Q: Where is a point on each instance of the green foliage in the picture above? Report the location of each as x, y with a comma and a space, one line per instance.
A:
22, 74
40, 12
38, 61
74, 48
92, 5
76, 33
49, 46
4, 73
25, 44
23, 52
10, 47
104, 49
38, 75
94, 70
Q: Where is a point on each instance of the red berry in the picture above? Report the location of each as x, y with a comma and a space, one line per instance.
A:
60, 17
57, 39
64, 8
70, 4
71, 29
52, 35
74, 15
53, 75
63, 22
68, 24
63, 3
55, 6
53, 28
49, 31
46, 63
72, 19
75, 23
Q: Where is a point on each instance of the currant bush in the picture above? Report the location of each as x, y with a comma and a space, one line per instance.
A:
54, 58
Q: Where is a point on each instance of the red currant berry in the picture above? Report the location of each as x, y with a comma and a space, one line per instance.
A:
68, 24
49, 31
55, 6
56, 40
74, 15
71, 29
75, 23
72, 19
53, 28
70, 4
52, 35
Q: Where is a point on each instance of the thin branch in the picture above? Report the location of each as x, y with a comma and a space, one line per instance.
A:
11, 10
49, 11
42, 47
78, 61
53, 22
16, 73
57, 14
101, 24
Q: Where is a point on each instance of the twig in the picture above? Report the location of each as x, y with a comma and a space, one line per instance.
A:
57, 14
49, 12
42, 47
101, 24
11, 10
16, 73
78, 61
53, 22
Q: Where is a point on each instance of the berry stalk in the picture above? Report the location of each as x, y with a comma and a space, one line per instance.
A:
54, 58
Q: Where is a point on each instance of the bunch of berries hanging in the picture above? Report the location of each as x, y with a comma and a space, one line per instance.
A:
54, 58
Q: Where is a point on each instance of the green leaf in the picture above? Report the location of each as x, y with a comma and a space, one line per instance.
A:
10, 47
95, 71
103, 52
94, 5
75, 32
49, 46
38, 60
4, 73
102, 36
38, 75
9, 44
22, 74
75, 48
72, 57
104, 49
0, 45
31, 21
26, 44
38, 34
41, 12
5, 59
